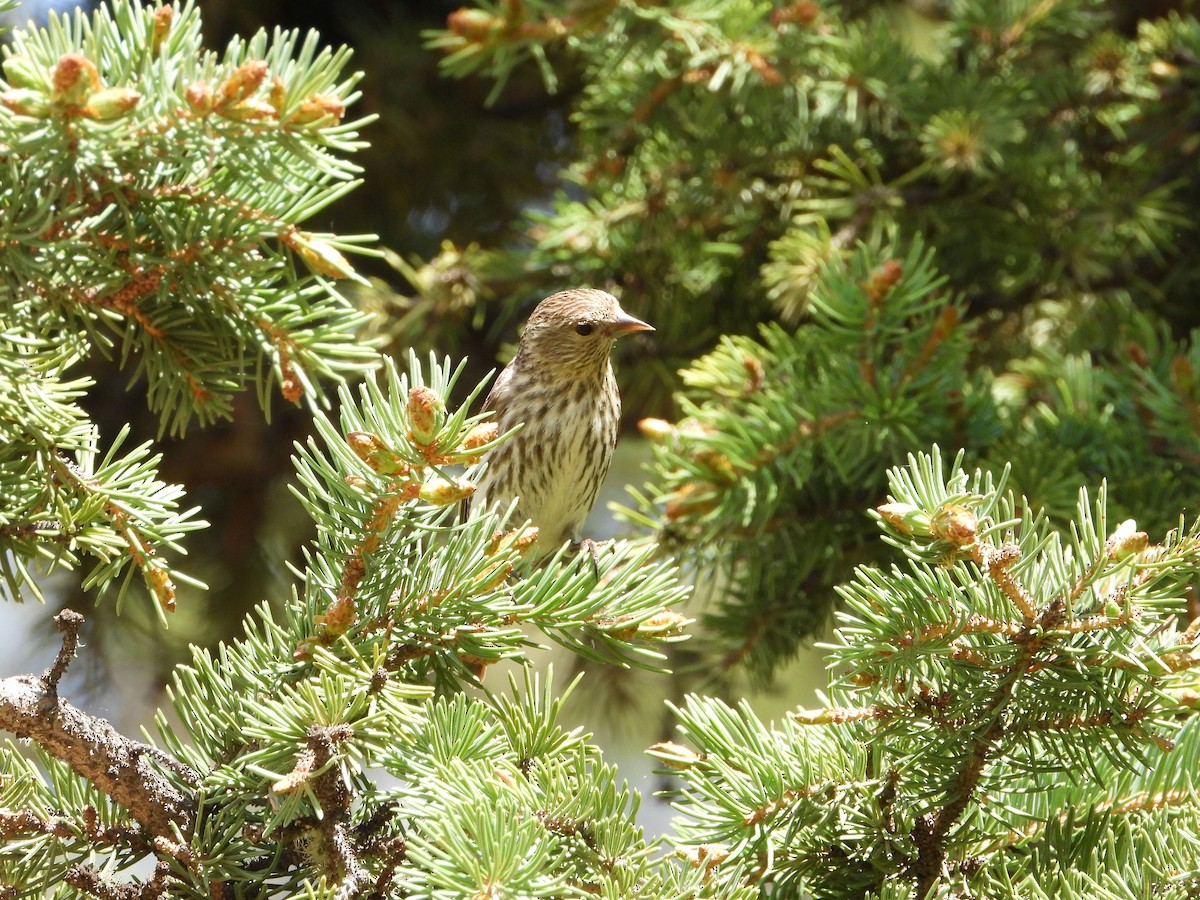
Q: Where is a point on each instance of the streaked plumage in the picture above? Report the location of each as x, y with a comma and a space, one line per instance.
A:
561, 386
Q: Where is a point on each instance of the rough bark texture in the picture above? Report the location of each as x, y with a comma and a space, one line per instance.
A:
128, 771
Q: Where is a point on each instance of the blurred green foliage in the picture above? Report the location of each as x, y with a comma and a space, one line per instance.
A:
965, 222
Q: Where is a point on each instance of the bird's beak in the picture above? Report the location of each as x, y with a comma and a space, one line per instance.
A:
627, 324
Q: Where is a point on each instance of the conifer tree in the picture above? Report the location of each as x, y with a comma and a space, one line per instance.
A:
859, 230
1011, 712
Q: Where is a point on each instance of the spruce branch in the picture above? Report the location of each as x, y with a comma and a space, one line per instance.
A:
402, 606
68, 622
400, 570
155, 197
975, 687
970, 137
129, 127
89, 880
126, 770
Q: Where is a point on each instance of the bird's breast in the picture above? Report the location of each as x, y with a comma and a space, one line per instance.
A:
556, 463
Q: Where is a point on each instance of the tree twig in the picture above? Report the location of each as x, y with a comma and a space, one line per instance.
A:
68, 622
124, 769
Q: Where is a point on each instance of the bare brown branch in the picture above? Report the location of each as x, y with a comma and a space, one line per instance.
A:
126, 770
68, 622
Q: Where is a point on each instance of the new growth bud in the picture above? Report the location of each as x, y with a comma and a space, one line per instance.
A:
657, 430
74, 79
23, 72
675, 756
375, 453
905, 518
319, 109
199, 98
319, 255
473, 25
955, 524
519, 539
248, 111
440, 492
26, 102
1126, 541
111, 103
245, 80
478, 437
158, 579
163, 17
660, 626
481, 435
426, 414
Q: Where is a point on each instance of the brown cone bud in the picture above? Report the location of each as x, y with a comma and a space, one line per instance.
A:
247, 111
163, 17
882, 280
954, 524
74, 79
199, 98
375, 453
522, 540
474, 25
479, 436
1183, 377
482, 434
426, 414
158, 579
319, 109
245, 80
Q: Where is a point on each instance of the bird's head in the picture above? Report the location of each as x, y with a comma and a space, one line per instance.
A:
575, 329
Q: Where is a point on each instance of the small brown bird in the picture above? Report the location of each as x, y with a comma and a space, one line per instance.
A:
561, 386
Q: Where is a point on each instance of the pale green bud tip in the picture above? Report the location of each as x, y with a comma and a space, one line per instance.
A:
1127, 540
440, 492
904, 517
23, 72
319, 255
111, 103
655, 429
26, 102
675, 756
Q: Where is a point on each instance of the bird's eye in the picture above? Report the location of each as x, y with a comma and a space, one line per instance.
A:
584, 328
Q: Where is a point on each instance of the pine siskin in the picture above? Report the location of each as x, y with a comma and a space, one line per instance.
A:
561, 386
